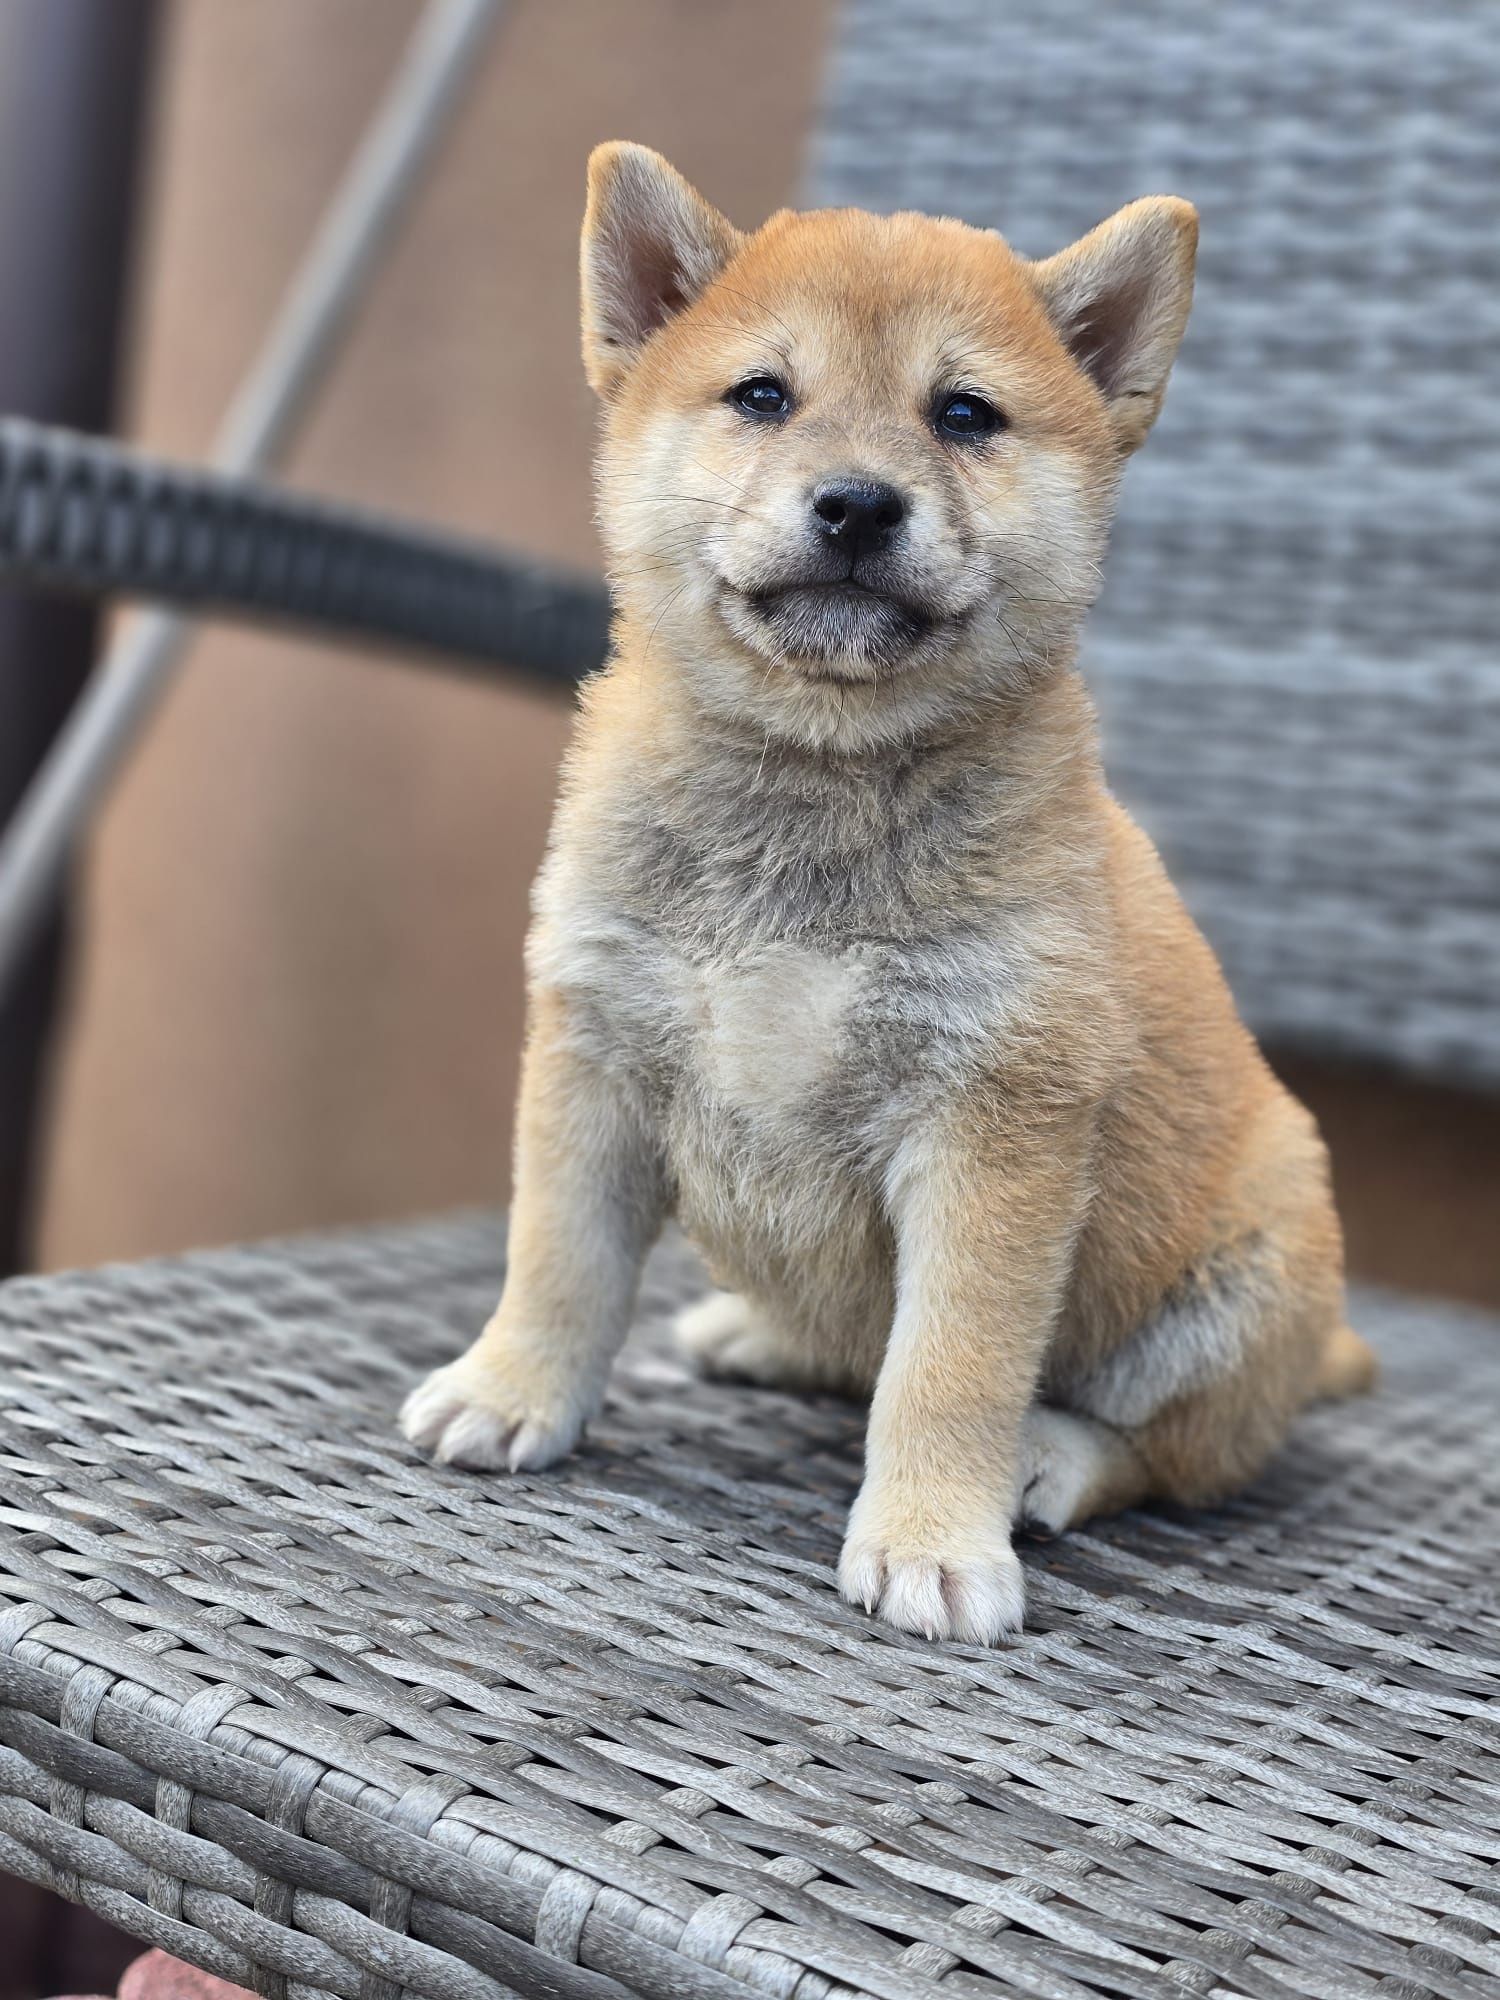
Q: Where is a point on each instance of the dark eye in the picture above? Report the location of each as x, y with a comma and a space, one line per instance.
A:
761, 396
966, 416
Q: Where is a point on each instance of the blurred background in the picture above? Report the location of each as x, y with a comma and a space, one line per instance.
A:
294, 994
290, 992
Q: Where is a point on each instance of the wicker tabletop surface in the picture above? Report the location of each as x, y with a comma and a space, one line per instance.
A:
279, 1696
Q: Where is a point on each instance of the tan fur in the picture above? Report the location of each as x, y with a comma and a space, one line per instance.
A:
1348, 1367
844, 954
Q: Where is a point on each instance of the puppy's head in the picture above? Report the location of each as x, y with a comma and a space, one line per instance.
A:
858, 470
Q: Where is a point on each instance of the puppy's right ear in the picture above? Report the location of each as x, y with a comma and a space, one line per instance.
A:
651, 244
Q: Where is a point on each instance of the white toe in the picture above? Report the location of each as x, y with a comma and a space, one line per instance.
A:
474, 1438
913, 1597
537, 1444
428, 1410
861, 1576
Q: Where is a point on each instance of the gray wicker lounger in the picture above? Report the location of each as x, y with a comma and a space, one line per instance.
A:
281, 1697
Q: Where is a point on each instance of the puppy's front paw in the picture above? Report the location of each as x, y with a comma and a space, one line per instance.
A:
938, 1585
475, 1413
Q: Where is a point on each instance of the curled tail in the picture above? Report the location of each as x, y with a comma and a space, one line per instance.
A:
1348, 1367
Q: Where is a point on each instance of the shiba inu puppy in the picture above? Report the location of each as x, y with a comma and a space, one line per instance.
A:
844, 954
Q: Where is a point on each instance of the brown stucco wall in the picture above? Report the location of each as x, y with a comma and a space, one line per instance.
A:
299, 1000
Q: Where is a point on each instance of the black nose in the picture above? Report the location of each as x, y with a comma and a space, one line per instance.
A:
863, 514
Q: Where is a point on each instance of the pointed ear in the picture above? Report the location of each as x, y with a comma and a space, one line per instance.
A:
651, 244
1119, 300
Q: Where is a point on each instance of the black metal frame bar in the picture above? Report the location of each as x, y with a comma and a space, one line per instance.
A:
86, 515
74, 81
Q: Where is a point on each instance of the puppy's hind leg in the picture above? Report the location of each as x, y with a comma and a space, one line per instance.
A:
1205, 1389
1347, 1368
734, 1339
1073, 1468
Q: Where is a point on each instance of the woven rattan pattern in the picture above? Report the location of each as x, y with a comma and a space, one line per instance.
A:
279, 1696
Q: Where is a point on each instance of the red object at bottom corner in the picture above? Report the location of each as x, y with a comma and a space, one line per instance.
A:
156, 1975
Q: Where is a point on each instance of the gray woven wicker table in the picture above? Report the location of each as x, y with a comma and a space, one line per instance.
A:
322, 1718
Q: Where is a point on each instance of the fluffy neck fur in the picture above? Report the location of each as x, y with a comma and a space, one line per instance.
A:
720, 829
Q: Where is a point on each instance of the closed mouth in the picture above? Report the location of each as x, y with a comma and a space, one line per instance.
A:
842, 590
846, 628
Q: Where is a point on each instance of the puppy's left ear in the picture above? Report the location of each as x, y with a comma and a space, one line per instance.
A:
651, 244
1119, 300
